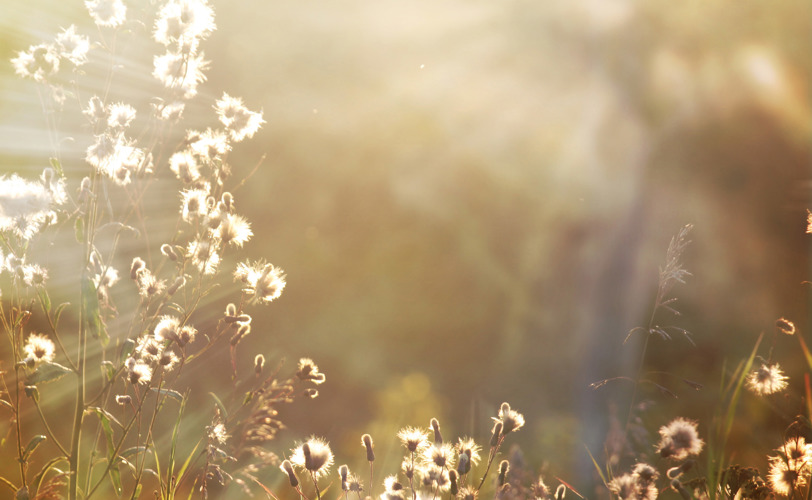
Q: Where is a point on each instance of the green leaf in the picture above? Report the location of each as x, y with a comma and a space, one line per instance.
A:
58, 312
79, 230
169, 392
57, 166
47, 372
91, 311
220, 406
32, 445
108, 370
45, 300
114, 473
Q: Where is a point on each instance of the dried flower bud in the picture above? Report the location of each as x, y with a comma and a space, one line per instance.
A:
231, 310
137, 265
435, 426
785, 326
560, 492
228, 201
169, 252
259, 362
453, 477
464, 464
366, 441
176, 285
311, 393
677, 486
495, 433
504, 466
288, 469
123, 399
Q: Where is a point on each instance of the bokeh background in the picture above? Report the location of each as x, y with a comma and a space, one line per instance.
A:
471, 200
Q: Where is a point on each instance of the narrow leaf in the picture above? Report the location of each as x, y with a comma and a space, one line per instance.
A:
169, 392
113, 472
92, 313
32, 445
220, 406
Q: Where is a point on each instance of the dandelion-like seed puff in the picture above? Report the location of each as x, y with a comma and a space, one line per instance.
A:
766, 380
314, 456
263, 282
679, 439
39, 348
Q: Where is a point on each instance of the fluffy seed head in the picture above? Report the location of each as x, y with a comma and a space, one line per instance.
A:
413, 438
39, 348
314, 455
768, 379
679, 439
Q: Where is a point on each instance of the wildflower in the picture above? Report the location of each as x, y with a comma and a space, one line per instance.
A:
768, 379
679, 439
149, 348
138, 372
209, 144
95, 111
798, 452
467, 446
148, 284
176, 285
217, 433
39, 348
469, 493
171, 112
37, 63
106, 279
354, 484
193, 204
412, 438
187, 334
407, 466
73, 47
167, 360
785, 477
180, 20
120, 116
785, 326
307, 370
167, 329
33, 274
314, 455
644, 473
440, 455
233, 229
264, 282
25, 206
204, 255
511, 420
108, 13
391, 484
239, 121
178, 72
435, 477
540, 490
184, 165
625, 487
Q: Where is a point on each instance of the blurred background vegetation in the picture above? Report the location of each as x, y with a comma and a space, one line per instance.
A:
471, 200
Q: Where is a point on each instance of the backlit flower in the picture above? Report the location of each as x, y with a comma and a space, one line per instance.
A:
263, 282
39, 348
239, 121
679, 439
109, 13
314, 455
72, 46
413, 438
768, 379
